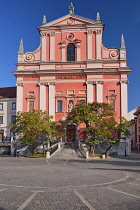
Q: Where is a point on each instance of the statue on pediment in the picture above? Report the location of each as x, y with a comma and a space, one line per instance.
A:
71, 8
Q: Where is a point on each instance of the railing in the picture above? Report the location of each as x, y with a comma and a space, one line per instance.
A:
5, 142
52, 150
83, 150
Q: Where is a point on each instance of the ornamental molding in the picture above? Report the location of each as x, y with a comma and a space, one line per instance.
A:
112, 96
46, 83
114, 54
90, 31
29, 57
92, 82
70, 22
30, 97
70, 36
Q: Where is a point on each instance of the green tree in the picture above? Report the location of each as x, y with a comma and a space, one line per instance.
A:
99, 121
33, 126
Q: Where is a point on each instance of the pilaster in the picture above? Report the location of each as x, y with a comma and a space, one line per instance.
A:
43, 95
99, 91
124, 100
63, 51
52, 46
78, 51
52, 99
89, 44
43, 45
98, 44
19, 104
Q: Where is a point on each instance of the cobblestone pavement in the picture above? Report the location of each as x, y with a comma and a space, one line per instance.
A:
40, 184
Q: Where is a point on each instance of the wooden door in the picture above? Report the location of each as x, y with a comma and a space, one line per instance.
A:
71, 132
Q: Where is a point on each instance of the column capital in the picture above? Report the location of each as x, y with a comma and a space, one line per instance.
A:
43, 34
91, 82
124, 82
100, 82
97, 31
52, 33
89, 31
52, 83
20, 84
43, 83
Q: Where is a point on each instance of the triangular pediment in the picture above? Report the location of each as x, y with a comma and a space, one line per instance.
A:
71, 19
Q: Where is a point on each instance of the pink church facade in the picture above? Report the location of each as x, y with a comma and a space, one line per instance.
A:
71, 64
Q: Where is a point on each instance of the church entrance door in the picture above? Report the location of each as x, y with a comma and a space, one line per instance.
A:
71, 132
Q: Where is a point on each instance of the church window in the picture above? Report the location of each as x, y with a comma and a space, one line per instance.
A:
1, 119
13, 118
1, 106
70, 52
70, 92
59, 106
82, 91
59, 92
111, 91
13, 106
31, 92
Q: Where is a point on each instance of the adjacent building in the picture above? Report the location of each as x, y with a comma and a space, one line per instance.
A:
71, 64
135, 129
7, 116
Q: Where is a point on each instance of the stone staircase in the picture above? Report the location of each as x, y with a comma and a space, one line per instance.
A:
68, 150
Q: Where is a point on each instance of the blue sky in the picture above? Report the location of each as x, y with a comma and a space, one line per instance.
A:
20, 19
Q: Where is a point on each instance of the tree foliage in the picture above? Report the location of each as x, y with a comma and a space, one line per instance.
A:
35, 125
99, 121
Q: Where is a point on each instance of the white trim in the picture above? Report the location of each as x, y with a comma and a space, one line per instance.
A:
52, 47
43, 97
43, 48
124, 100
89, 46
99, 93
19, 102
90, 93
98, 45
52, 101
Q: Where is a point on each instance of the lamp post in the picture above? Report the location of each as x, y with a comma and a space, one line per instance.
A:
15, 146
125, 149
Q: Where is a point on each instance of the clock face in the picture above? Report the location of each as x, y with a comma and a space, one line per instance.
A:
70, 36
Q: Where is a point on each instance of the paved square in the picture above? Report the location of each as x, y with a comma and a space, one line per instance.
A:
37, 183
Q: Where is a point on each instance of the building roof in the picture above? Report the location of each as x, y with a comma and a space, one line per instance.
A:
8, 92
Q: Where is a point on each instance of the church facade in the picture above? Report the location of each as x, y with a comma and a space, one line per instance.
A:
71, 64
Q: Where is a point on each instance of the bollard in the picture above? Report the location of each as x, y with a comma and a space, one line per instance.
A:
87, 154
47, 154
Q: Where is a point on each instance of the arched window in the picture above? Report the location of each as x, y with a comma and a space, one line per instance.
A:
71, 52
